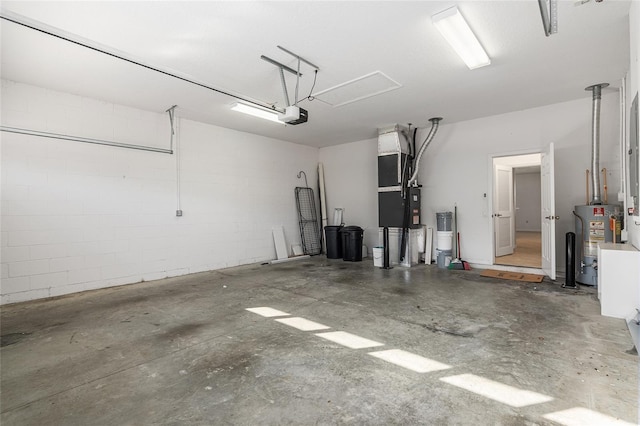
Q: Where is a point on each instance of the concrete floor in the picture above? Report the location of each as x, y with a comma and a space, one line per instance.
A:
186, 351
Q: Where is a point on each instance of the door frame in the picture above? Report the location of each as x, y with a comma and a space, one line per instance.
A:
497, 216
548, 222
489, 199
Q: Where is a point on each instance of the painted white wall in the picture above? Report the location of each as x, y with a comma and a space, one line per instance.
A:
77, 216
633, 85
351, 183
471, 143
456, 168
528, 201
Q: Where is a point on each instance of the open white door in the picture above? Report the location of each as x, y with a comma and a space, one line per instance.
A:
548, 213
503, 210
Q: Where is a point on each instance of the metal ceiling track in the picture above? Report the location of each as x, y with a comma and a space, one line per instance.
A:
91, 45
283, 68
279, 65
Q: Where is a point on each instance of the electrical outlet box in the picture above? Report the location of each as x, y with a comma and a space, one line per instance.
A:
178, 213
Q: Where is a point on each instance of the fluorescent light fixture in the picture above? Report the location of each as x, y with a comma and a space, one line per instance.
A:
456, 31
256, 112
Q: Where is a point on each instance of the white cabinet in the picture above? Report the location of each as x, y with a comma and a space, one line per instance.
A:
618, 280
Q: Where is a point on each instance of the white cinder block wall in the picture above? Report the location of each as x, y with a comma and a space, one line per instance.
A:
77, 216
456, 168
633, 86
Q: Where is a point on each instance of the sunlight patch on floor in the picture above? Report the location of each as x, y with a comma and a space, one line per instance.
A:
579, 416
349, 340
497, 391
302, 324
268, 312
410, 361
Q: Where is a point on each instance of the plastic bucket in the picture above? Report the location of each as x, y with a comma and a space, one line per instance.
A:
444, 221
443, 258
378, 256
444, 240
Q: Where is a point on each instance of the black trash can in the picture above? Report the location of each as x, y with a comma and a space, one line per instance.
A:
352, 243
333, 242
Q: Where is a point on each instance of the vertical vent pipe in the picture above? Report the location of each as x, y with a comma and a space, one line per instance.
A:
434, 128
596, 89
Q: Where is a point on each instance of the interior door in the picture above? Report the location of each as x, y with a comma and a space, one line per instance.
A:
548, 213
503, 210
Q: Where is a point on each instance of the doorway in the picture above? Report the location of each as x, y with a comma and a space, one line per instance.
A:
517, 210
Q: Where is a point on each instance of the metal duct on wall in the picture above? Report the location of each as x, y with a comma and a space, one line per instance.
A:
596, 89
595, 222
434, 128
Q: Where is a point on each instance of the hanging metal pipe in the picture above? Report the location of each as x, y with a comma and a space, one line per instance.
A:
174, 138
81, 139
295, 99
172, 112
434, 128
284, 88
300, 58
596, 89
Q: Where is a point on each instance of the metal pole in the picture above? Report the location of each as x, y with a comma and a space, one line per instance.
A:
385, 242
279, 65
298, 56
570, 265
81, 139
284, 87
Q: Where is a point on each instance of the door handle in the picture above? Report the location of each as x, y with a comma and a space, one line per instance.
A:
497, 215
552, 217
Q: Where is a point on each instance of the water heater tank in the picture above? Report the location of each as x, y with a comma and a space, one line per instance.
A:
593, 226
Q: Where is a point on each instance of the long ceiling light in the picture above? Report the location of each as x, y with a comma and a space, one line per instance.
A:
456, 31
256, 112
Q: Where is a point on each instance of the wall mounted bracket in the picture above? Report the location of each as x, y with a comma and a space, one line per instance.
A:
284, 68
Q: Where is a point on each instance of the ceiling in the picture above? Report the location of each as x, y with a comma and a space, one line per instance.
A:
220, 43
